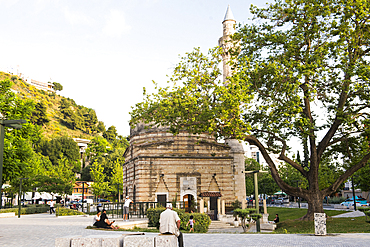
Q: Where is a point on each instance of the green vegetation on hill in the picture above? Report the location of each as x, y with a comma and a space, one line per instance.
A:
44, 151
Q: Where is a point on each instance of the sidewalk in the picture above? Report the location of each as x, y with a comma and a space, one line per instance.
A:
42, 229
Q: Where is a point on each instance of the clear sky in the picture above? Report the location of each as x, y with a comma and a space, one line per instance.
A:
105, 52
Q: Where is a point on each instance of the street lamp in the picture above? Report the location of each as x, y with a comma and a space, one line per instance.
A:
15, 124
19, 196
256, 194
299, 199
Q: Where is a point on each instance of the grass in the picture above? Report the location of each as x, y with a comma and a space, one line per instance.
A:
289, 223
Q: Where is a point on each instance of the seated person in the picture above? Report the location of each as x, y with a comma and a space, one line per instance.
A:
170, 224
104, 221
96, 219
276, 220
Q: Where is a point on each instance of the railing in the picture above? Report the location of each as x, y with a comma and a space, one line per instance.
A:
115, 209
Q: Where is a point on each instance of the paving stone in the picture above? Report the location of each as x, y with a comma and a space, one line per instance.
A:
166, 241
65, 241
86, 242
138, 241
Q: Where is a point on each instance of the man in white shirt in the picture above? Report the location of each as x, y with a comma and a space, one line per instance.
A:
51, 204
126, 207
170, 223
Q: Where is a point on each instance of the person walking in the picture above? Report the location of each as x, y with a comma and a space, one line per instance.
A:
126, 207
51, 204
170, 224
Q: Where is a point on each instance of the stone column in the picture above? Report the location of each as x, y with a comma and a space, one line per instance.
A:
223, 207
244, 204
219, 206
237, 152
264, 207
201, 206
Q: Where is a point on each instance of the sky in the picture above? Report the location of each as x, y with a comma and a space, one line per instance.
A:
105, 52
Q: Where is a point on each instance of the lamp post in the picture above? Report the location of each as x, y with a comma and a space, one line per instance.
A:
256, 194
299, 199
354, 194
15, 124
19, 196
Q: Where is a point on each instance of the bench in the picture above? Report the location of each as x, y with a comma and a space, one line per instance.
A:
124, 240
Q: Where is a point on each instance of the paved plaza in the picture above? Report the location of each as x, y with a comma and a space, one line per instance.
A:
42, 229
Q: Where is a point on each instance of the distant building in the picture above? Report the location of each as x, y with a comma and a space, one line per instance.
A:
46, 86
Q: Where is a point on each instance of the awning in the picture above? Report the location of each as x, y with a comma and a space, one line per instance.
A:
280, 193
210, 194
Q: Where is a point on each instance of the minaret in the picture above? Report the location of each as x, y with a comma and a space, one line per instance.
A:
237, 150
228, 30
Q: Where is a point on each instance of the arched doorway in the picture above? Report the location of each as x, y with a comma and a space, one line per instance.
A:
189, 203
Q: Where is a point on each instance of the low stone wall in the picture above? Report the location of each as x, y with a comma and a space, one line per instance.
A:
125, 240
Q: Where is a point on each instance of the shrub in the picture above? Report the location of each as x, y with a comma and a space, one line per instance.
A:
67, 211
36, 209
202, 221
245, 214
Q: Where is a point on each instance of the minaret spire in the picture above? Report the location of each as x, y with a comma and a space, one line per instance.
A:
229, 15
228, 29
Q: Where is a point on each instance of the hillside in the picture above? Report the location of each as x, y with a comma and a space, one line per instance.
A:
58, 116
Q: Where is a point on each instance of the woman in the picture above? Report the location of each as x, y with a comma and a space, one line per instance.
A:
97, 219
104, 222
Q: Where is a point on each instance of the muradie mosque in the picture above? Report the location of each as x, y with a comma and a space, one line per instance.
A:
162, 167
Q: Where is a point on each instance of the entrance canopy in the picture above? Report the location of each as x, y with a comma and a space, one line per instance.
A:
210, 194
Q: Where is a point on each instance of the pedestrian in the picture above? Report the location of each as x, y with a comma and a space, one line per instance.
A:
191, 222
170, 224
126, 207
51, 204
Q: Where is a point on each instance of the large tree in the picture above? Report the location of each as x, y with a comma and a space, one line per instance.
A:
301, 71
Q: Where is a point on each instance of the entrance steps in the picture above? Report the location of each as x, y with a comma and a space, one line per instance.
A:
219, 225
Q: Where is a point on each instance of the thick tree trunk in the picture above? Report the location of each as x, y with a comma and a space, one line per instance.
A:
315, 205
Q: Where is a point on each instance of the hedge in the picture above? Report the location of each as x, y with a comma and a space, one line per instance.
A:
28, 210
202, 221
66, 211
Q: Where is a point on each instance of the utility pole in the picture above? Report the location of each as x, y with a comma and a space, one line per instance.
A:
19, 196
256, 198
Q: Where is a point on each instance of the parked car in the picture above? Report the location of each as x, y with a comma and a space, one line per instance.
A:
282, 200
91, 201
103, 200
359, 202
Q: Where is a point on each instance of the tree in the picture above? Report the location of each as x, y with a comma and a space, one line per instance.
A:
39, 115
57, 86
100, 186
18, 144
301, 71
59, 179
61, 147
110, 134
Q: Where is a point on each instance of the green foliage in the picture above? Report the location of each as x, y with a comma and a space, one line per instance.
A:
17, 143
100, 186
58, 179
60, 211
39, 115
244, 214
153, 215
202, 221
61, 147
201, 225
57, 86
110, 134
27, 210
